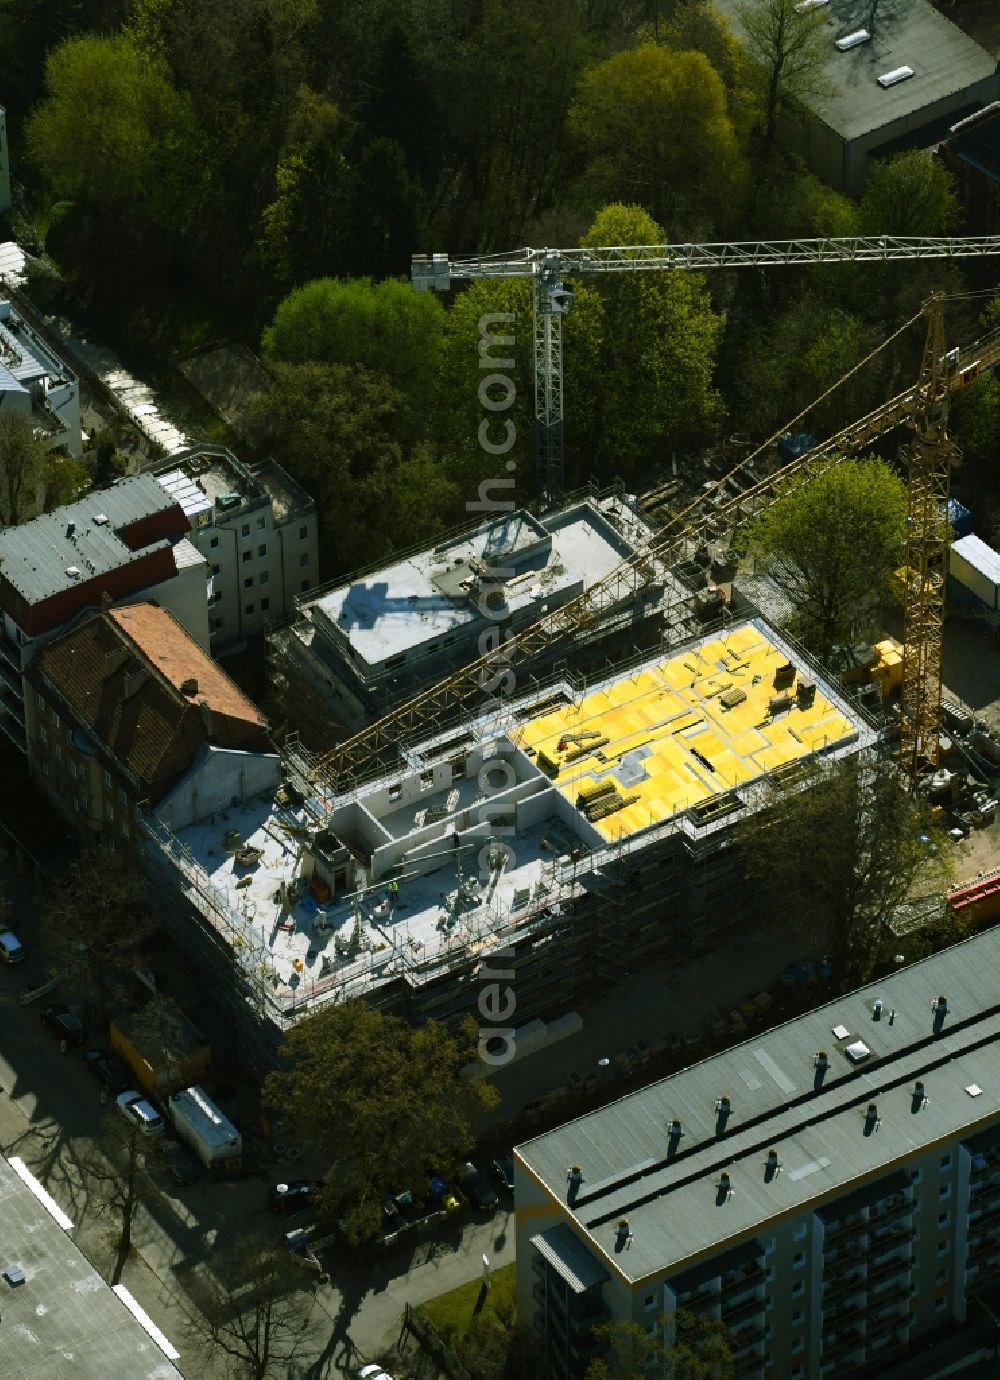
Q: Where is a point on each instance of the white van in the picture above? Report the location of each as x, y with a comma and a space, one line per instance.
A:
11, 948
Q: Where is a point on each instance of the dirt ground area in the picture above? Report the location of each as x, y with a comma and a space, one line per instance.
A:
980, 19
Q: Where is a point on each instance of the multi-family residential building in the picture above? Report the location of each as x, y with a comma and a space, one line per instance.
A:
33, 381
359, 646
128, 542
257, 529
121, 706
828, 1190
581, 830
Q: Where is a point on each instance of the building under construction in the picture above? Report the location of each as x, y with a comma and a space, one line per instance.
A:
356, 648
573, 834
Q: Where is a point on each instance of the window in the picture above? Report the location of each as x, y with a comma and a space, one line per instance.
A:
797, 1316
265, 604
304, 586
122, 797
262, 549
245, 529
801, 1232
769, 1274
945, 1161
797, 1373
768, 1302
944, 1191
651, 1329
941, 1275
261, 522
916, 1175
943, 1247
303, 533
247, 555
217, 624
304, 558
798, 1260
798, 1289
109, 811
45, 768
940, 1305
264, 577
56, 721
58, 753
248, 582
798, 1346
107, 778
251, 608
944, 1218
213, 542
215, 568
43, 734
649, 1302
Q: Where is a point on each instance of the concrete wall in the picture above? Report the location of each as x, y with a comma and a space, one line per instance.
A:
220, 778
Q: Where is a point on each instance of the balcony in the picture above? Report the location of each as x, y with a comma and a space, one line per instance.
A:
898, 1265
743, 1310
10, 655
891, 1213
852, 1283
750, 1336
842, 1257
987, 1219
839, 1229
880, 1326
844, 1342
746, 1277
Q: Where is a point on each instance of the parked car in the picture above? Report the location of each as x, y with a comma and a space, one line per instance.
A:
503, 1172
293, 1196
138, 1110
107, 1070
478, 1188
63, 1023
11, 948
184, 1166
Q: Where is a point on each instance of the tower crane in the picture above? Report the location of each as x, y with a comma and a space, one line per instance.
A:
923, 407
551, 269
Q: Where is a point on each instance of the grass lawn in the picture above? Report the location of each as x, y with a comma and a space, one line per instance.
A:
454, 1313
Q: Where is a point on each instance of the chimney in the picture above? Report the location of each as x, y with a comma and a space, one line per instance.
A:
190, 686
822, 1059
872, 1119
574, 1175
70, 529
774, 1165
940, 1006
725, 1186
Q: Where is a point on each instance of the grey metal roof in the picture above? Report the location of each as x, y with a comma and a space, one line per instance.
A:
669, 1192
569, 1257
63, 1320
36, 556
909, 33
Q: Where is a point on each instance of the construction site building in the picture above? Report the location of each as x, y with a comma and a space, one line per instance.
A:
570, 835
356, 648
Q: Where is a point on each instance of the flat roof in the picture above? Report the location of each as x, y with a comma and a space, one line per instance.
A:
63, 1320
24, 353
434, 594
36, 556
979, 555
904, 33
414, 837
664, 738
818, 1125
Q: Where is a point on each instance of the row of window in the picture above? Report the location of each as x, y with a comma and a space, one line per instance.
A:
261, 524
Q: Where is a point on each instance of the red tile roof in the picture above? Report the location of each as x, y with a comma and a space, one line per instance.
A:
147, 693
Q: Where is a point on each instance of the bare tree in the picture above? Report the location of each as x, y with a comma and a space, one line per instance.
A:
22, 470
788, 51
254, 1311
116, 1167
97, 920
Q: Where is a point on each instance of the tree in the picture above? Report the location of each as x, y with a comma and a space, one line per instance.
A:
655, 127
384, 1100
838, 536
96, 921
911, 194
113, 132
683, 1346
789, 52
384, 327
22, 470
877, 842
652, 353
253, 1311
697, 25
65, 480
116, 1166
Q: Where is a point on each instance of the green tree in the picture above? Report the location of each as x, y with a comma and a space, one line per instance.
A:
113, 132
684, 1347
96, 921
838, 536
655, 128
23, 463
697, 25
788, 52
385, 1101
384, 327
651, 346
873, 856
65, 480
911, 194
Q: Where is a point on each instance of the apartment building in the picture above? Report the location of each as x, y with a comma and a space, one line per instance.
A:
257, 529
121, 706
128, 542
829, 1190
359, 646
33, 380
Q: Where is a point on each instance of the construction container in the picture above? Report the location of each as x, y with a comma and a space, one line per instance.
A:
975, 568
161, 1046
887, 671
